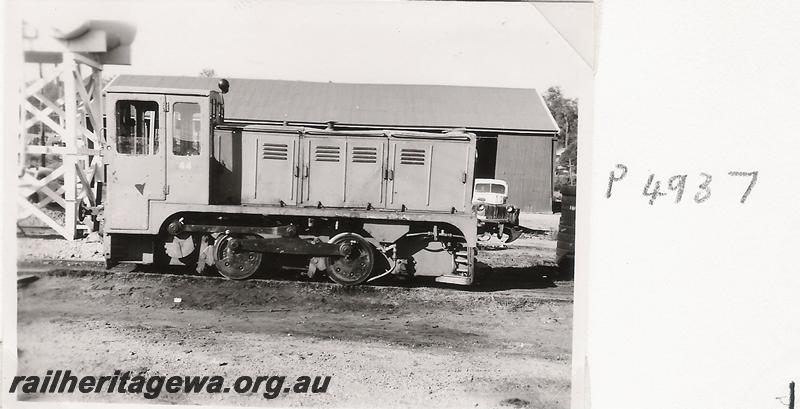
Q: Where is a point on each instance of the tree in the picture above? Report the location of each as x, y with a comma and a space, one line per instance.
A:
565, 112
208, 73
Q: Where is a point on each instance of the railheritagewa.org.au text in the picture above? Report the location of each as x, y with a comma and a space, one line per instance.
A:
151, 387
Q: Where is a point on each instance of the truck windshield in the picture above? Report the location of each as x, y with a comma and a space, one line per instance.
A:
490, 188
482, 188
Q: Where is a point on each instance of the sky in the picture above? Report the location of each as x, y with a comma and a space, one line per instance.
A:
479, 44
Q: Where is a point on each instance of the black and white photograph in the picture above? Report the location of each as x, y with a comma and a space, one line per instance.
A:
285, 204
400, 204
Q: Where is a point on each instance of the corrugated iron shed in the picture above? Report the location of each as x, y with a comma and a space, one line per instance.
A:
517, 110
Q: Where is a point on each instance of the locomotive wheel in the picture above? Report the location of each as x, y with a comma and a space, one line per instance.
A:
355, 267
234, 265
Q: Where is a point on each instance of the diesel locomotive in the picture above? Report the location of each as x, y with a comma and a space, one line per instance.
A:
185, 186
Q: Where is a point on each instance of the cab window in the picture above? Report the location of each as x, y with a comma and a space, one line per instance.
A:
137, 127
482, 188
186, 129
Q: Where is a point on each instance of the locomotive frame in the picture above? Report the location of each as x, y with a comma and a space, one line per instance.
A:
184, 186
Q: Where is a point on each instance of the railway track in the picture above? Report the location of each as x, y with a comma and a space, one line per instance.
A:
495, 289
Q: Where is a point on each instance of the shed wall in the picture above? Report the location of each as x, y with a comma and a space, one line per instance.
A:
526, 163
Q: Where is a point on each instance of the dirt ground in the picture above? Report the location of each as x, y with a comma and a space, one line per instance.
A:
503, 343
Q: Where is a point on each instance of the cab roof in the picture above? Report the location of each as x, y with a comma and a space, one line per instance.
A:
203, 92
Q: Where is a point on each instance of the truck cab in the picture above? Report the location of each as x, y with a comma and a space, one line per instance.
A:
495, 215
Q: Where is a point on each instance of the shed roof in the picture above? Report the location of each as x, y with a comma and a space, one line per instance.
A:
370, 105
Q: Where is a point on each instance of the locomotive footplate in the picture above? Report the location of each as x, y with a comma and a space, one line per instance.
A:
284, 245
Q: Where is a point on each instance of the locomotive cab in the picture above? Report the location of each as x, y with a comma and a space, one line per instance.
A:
158, 149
